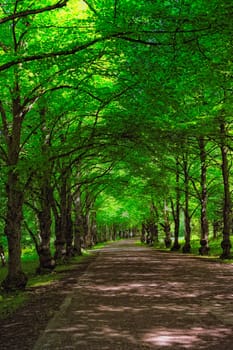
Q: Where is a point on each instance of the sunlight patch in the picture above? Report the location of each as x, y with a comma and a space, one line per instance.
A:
185, 338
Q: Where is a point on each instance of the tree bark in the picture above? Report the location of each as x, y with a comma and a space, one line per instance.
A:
204, 249
143, 233
88, 236
69, 234
60, 241
166, 227
226, 243
16, 278
114, 232
187, 246
78, 224
217, 228
94, 228
46, 260
176, 211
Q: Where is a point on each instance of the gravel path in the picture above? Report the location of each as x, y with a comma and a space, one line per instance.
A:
133, 297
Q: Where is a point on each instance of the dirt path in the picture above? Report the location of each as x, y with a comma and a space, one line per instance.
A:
137, 298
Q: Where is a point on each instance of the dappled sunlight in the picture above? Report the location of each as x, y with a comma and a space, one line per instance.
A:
112, 333
153, 301
188, 338
122, 287
154, 338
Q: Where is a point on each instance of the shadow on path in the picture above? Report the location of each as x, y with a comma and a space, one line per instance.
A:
138, 298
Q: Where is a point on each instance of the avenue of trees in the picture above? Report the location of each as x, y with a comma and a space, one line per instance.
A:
115, 115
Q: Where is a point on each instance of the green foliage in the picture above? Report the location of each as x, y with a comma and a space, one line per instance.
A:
114, 94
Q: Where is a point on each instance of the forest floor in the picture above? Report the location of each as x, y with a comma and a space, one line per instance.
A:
129, 297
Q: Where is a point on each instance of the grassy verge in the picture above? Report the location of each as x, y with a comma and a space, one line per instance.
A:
10, 302
214, 253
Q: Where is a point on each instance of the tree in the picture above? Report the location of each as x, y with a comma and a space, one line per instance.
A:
109, 79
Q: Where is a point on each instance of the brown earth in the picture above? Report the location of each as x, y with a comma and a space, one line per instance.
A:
130, 298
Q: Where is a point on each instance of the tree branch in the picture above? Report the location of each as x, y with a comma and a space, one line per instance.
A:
42, 56
26, 13
121, 35
33, 236
90, 7
144, 42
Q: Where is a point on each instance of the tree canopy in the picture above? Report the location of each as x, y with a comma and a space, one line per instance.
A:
115, 115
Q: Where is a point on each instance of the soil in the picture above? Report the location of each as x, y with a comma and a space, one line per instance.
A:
21, 330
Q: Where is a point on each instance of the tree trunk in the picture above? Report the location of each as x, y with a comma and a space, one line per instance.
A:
217, 228
77, 238
204, 249
143, 233
155, 232
176, 216
46, 261
167, 227
60, 241
176, 211
88, 234
105, 233
69, 228
94, 228
187, 246
78, 224
226, 243
114, 232
16, 278
88, 239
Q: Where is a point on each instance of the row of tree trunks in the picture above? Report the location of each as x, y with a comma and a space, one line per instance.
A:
84, 225
227, 212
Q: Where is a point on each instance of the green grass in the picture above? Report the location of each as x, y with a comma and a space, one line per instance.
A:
9, 302
100, 245
214, 244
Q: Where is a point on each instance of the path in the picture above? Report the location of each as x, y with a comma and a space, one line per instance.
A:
134, 298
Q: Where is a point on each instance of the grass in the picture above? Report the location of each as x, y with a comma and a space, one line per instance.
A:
100, 245
214, 244
10, 302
